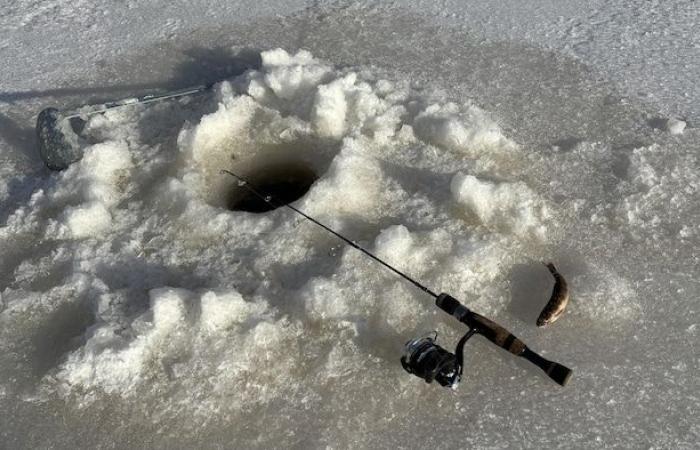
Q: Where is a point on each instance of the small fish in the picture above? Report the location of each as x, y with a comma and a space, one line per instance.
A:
557, 302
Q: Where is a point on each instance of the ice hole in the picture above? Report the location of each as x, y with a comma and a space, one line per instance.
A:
283, 183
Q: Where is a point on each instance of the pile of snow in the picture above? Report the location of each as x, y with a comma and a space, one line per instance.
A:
216, 338
503, 206
675, 126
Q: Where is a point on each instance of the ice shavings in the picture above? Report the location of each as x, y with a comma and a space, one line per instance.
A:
292, 76
464, 129
352, 185
502, 206
87, 220
330, 108
675, 126
394, 244
182, 331
89, 189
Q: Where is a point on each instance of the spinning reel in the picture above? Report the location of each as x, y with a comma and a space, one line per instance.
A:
424, 358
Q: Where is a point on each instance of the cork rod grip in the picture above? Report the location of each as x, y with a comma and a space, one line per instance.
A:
501, 337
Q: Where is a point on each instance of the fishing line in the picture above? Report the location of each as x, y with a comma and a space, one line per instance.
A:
268, 199
423, 357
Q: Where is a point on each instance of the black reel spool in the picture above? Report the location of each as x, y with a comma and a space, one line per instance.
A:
424, 358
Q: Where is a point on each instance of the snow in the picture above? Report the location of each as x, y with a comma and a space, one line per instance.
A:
87, 220
675, 126
464, 142
510, 206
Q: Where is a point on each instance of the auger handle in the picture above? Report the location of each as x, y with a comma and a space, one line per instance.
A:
501, 337
142, 100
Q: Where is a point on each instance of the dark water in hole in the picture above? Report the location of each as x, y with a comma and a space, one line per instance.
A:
284, 184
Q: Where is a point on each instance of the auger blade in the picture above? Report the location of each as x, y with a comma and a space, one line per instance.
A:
58, 143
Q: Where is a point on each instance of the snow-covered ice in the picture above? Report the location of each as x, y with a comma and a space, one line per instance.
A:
137, 310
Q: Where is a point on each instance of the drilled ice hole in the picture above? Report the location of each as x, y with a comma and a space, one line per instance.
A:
282, 183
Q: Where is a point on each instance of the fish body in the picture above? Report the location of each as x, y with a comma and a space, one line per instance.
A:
557, 301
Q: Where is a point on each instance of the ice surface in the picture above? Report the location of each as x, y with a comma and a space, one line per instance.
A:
137, 311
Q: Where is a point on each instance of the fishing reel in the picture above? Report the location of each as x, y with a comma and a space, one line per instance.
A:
424, 358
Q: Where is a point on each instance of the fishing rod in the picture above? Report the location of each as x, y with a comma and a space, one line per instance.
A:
422, 356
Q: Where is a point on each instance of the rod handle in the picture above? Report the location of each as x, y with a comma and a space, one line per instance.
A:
486, 327
502, 337
557, 372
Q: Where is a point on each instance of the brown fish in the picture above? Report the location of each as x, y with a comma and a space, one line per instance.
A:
557, 302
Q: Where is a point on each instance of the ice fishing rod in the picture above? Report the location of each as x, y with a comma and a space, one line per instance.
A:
422, 356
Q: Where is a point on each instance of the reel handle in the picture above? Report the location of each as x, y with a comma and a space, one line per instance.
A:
501, 337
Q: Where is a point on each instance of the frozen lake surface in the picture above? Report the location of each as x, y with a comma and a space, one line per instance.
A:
461, 142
